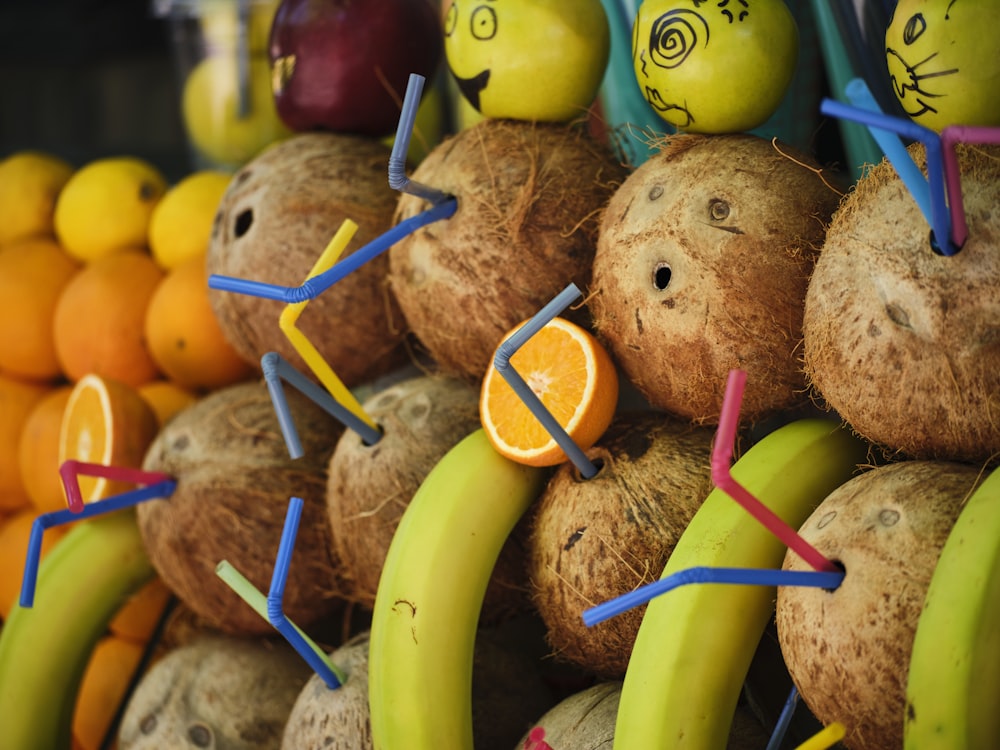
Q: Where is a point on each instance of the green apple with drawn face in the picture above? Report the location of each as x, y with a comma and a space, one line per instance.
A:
943, 61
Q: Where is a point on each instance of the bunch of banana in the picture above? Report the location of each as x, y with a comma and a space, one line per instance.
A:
695, 644
44, 649
431, 592
954, 677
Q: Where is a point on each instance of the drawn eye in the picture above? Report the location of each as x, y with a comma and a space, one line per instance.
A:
914, 28
484, 23
718, 209
661, 275
451, 20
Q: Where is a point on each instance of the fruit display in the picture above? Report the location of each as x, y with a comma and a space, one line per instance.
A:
496, 440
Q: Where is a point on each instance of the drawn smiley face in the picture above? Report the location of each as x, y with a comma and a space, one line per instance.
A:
527, 59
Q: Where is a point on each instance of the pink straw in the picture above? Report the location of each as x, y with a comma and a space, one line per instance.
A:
722, 453
536, 740
71, 469
950, 136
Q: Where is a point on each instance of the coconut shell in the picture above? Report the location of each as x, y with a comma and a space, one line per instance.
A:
702, 266
848, 650
529, 196
595, 539
234, 481
274, 221
902, 342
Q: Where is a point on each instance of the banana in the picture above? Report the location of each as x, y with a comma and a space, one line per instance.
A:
431, 592
953, 682
44, 649
694, 645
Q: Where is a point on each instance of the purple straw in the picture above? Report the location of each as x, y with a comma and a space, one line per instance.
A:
950, 136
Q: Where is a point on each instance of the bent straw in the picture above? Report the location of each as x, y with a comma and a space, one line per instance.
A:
58, 517
722, 453
825, 738
950, 136
536, 740
70, 469
784, 720
501, 361
398, 179
706, 574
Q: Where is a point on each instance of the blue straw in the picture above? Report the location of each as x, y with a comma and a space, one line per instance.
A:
702, 574
784, 720
313, 287
398, 179
501, 361
60, 517
276, 368
940, 219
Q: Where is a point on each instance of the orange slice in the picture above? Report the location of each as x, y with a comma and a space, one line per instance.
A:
575, 379
107, 423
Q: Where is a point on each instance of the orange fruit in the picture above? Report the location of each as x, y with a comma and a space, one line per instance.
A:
166, 398
98, 324
137, 618
30, 182
15, 531
38, 451
184, 336
107, 423
113, 663
33, 274
17, 399
575, 379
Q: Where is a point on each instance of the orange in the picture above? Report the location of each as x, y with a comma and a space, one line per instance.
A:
166, 398
98, 324
15, 530
30, 182
113, 663
184, 336
17, 399
38, 451
137, 618
575, 379
107, 423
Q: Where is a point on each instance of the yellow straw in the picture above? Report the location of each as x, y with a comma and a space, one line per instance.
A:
315, 361
827, 737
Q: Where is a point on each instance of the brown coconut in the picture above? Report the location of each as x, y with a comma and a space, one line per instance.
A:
595, 539
848, 650
234, 481
904, 342
215, 692
274, 221
702, 265
529, 196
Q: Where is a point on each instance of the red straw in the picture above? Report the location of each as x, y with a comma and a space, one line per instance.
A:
952, 177
71, 469
536, 740
722, 453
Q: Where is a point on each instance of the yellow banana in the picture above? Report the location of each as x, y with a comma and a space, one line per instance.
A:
953, 683
44, 649
695, 643
431, 592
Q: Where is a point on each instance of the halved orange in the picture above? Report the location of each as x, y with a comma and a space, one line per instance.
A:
575, 379
107, 423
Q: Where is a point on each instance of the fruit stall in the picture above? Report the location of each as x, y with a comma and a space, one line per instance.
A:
500, 375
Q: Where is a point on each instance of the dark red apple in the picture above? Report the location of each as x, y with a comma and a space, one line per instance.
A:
343, 65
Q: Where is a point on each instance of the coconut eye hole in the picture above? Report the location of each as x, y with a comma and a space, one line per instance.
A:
244, 220
661, 276
148, 724
200, 735
655, 192
718, 209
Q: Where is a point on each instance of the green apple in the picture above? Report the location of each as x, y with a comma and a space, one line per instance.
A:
719, 67
943, 62
527, 59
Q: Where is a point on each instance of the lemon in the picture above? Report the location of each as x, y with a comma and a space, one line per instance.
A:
106, 207
30, 182
181, 224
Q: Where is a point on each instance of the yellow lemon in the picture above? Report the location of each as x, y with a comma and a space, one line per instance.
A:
181, 224
30, 182
106, 207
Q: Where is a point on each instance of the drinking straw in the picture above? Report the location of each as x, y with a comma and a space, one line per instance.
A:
536, 740
939, 219
398, 179
501, 361
722, 453
70, 469
707, 574
950, 136
275, 369
825, 738
784, 720
244, 105
58, 517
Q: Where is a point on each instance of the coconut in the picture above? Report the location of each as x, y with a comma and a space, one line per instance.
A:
216, 691
595, 539
702, 266
273, 223
904, 342
848, 649
529, 196
234, 481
